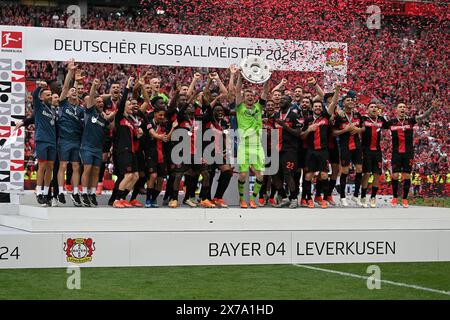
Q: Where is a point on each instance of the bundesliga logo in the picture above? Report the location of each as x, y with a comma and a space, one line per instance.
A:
11, 40
79, 250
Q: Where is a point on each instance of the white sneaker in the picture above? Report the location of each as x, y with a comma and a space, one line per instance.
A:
356, 201
284, 203
54, 202
364, 203
373, 202
190, 202
344, 202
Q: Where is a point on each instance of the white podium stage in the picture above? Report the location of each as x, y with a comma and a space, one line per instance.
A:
35, 237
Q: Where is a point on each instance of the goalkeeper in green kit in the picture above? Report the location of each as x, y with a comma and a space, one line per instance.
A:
250, 150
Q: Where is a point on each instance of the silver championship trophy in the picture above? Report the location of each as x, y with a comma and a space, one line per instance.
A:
255, 69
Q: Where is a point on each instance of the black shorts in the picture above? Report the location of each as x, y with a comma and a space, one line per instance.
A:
334, 155
402, 162
126, 163
372, 161
288, 162
159, 168
301, 156
141, 161
317, 160
353, 156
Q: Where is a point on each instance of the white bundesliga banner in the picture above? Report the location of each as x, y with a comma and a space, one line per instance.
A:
19, 44
178, 50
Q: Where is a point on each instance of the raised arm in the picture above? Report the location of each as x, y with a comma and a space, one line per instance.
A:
71, 67
281, 85
427, 113
206, 92
239, 90
265, 92
92, 93
231, 86
312, 82
335, 99
195, 79
37, 93
145, 95
222, 89
124, 98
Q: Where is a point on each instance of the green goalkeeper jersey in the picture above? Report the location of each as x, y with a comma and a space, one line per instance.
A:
249, 122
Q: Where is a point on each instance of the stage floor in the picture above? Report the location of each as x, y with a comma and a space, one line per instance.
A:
105, 236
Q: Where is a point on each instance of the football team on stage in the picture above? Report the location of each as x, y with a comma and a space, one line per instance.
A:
319, 138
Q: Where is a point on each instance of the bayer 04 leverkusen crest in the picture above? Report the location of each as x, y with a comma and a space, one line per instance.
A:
79, 250
335, 57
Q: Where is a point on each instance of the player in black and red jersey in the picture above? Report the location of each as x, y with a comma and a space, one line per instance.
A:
290, 129
316, 131
333, 149
125, 148
401, 128
177, 103
348, 128
216, 119
140, 119
155, 157
268, 123
304, 111
188, 165
373, 124
110, 103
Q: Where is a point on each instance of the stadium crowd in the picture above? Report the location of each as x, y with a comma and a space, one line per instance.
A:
405, 59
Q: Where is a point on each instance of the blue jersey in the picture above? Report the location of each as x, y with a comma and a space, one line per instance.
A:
45, 120
70, 118
94, 130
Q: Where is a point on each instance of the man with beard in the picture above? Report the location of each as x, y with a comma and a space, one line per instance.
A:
372, 157
155, 158
110, 104
348, 127
69, 122
45, 137
177, 103
288, 121
216, 120
268, 121
95, 125
188, 166
316, 131
125, 149
250, 150
401, 128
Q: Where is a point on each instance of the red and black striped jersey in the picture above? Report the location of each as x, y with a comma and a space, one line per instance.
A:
371, 137
220, 136
402, 134
156, 146
347, 140
318, 139
287, 141
193, 128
